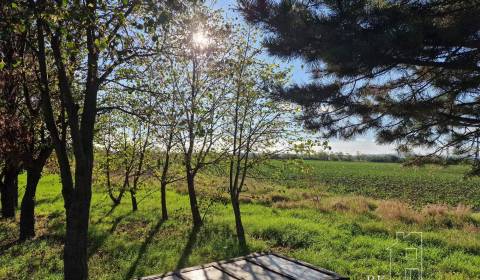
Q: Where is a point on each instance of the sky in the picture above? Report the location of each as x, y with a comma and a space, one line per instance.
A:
364, 144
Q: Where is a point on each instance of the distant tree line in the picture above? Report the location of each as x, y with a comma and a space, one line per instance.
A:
339, 156
406, 159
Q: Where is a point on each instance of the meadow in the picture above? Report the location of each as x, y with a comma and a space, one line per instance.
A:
416, 185
343, 216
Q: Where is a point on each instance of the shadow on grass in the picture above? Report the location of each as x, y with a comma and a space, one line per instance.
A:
143, 248
53, 237
50, 200
110, 212
7, 246
187, 250
234, 249
244, 249
98, 241
50, 227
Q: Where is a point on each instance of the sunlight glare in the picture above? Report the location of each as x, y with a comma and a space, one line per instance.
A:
200, 39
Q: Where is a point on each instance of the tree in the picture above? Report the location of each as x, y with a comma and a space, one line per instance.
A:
11, 128
165, 121
145, 95
408, 70
168, 156
36, 150
24, 141
255, 124
136, 141
126, 142
87, 41
197, 68
107, 158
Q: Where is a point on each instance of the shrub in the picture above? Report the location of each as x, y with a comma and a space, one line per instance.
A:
278, 197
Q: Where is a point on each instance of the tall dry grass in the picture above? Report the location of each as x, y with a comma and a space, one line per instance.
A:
398, 211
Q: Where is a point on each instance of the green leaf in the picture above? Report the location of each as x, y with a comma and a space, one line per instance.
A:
21, 28
17, 63
70, 45
101, 43
2, 65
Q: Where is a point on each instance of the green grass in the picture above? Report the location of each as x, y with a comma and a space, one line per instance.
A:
415, 185
125, 244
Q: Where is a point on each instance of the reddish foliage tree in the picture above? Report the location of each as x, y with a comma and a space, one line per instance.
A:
23, 142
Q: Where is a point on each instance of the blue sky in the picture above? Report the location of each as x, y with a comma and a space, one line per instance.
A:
364, 144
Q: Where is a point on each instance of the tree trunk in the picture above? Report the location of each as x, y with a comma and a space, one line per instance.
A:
163, 184
76, 240
15, 191
238, 222
3, 194
77, 199
10, 189
27, 213
134, 200
116, 200
163, 193
197, 220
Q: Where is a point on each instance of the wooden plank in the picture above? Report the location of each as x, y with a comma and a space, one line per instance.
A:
250, 271
292, 269
335, 275
255, 266
209, 273
172, 277
168, 277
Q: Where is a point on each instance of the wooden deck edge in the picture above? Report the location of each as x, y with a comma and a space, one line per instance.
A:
218, 264
311, 266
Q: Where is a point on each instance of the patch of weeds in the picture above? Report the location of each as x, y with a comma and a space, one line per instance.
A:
287, 236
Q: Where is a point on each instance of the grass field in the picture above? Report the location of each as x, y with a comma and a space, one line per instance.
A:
340, 216
416, 185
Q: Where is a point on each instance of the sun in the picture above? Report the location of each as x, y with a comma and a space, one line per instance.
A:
200, 39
